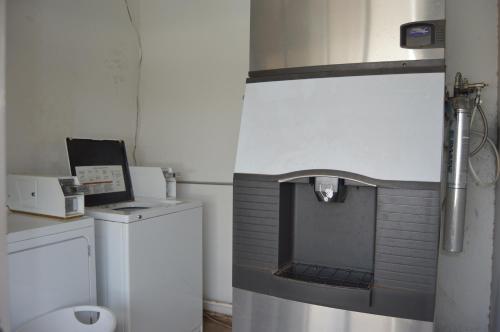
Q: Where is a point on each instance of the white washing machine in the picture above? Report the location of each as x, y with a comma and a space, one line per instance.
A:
51, 265
149, 264
148, 250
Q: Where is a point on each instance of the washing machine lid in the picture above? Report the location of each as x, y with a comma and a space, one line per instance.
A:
102, 167
22, 226
138, 210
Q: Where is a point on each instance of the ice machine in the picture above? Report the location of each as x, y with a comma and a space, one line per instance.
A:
337, 182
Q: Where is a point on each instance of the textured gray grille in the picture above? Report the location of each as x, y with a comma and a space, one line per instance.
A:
407, 239
256, 224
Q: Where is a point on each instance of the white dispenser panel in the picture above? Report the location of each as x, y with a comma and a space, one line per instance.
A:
386, 127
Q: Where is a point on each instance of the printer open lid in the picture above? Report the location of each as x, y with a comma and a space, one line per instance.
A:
102, 167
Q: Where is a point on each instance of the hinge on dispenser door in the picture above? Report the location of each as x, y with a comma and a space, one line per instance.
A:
88, 251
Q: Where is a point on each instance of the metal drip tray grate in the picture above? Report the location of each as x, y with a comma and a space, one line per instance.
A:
327, 275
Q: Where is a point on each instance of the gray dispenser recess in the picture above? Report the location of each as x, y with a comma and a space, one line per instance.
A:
347, 255
328, 243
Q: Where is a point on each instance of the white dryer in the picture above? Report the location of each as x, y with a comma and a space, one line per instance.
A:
148, 250
51, 265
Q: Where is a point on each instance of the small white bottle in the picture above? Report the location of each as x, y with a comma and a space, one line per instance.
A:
171, 184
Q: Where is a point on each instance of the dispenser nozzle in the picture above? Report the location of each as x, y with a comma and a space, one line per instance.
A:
330, 189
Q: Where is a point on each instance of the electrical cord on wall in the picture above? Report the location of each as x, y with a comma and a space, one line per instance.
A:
484, 134
497, 158
139, 71
485, 139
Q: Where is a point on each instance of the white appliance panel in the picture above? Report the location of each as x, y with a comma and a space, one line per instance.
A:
112, 265
166, 273
143, 208
150, 271
45, 195
51, 272
148, 182
387, 127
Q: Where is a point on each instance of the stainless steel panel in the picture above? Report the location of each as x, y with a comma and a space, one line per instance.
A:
290, 33
253, 312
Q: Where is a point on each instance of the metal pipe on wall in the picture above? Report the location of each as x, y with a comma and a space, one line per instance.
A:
457, 174
205, 183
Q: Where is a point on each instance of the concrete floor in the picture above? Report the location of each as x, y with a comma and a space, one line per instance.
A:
211, 326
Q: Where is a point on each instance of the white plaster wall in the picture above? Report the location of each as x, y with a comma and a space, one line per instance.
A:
71, 71
495, 284
217, 238
4, 310
464, 282
195, 65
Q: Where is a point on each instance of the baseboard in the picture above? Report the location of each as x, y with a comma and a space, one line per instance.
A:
218, 307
